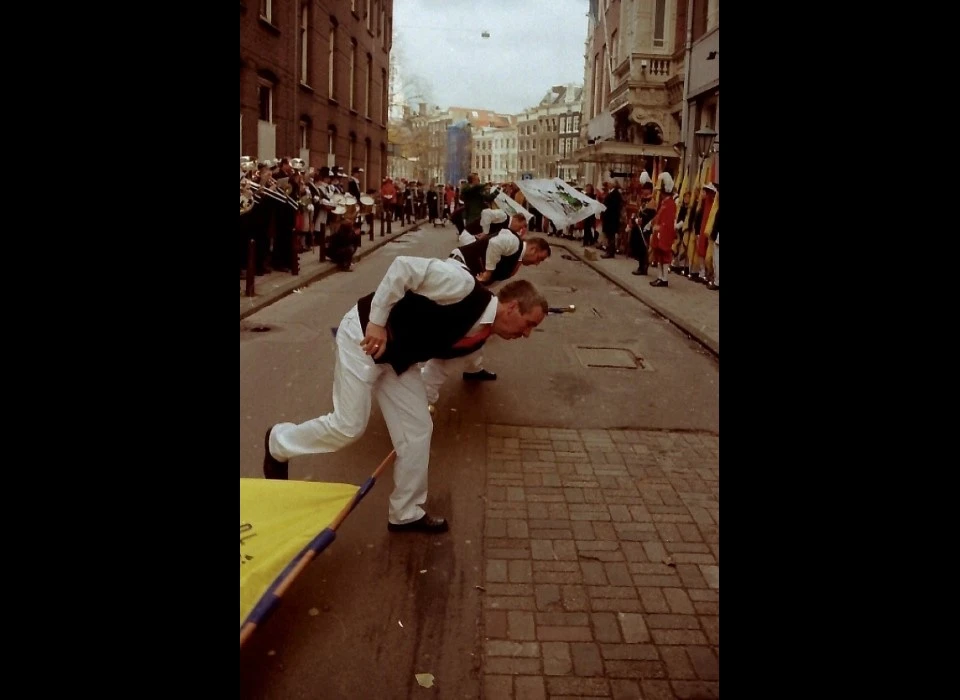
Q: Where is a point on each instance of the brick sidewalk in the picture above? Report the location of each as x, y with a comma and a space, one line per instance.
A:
602, 564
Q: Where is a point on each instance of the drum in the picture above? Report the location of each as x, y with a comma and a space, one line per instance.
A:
366, 204
350, 203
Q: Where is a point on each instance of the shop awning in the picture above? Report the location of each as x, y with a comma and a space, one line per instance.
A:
617, 152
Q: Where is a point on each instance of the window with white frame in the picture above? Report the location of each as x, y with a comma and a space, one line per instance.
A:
605, 75
596, 85
304, 18
265, 100
266, 10
659, 21
331, 140
366, 106
353, 73
332, 62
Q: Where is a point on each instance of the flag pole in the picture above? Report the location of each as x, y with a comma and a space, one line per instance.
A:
270, 599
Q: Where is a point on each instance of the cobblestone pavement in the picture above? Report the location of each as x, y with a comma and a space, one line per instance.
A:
602, 564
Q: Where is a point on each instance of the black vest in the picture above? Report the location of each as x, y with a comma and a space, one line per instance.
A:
497, 228
475, 255
419, 329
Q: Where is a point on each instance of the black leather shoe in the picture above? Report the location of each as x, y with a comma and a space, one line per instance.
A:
427, 523
482, 375
272, 468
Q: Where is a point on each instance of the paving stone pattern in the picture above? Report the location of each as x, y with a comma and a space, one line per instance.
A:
602, 564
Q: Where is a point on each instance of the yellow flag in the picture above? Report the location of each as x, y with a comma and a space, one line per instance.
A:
708, 258
696, 205
278, 519
713, 214
683, 186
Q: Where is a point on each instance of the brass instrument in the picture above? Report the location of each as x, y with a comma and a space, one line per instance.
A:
247, 202
247, 199
285, 186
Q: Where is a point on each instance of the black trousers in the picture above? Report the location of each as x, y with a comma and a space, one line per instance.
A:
638, 248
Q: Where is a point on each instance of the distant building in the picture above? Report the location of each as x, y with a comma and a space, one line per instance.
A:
458, 152
640, 110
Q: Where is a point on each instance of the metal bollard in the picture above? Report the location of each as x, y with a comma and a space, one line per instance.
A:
389, 223
295, 259
251, 267
322, 244
383, 220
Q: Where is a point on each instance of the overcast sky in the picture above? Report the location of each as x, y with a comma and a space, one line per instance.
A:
533, 45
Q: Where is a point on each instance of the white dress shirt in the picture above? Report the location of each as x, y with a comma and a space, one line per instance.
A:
505, 243
491, 216
432, 278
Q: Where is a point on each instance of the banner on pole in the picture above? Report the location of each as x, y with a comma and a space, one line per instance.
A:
508, 204
559, 202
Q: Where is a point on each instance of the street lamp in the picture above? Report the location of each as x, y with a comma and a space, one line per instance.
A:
705, 139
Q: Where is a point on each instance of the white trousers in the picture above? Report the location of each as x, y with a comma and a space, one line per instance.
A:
435, 372
403, 402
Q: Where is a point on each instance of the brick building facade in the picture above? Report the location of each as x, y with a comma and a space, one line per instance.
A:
313, 82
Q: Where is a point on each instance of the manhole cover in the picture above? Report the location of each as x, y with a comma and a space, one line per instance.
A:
608, 357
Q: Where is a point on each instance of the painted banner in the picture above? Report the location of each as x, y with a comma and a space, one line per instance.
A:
559, 202
511, 206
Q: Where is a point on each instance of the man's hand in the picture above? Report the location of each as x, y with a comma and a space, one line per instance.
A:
374, 343
485, 276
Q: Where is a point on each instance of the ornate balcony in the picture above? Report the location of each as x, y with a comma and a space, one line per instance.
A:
646, 68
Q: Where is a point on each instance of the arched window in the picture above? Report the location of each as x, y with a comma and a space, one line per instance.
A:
652, 134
